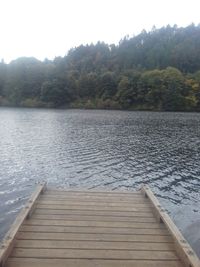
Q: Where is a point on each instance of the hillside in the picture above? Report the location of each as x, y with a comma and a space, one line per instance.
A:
156, 70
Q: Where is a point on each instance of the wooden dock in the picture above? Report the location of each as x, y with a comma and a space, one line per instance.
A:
94, 229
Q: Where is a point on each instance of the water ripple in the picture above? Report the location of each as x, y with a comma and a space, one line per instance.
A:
111, 150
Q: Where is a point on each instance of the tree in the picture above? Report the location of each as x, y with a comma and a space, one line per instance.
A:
3, 70
156, 70
55, 92
127, 93
107, 85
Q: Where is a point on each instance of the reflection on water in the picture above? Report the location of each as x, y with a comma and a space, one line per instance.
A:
111, 150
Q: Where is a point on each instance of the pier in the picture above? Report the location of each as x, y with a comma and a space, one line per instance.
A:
68, 228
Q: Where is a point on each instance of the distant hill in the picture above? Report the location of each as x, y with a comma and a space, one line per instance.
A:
156, 70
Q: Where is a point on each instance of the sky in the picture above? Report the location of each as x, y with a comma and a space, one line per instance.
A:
49, 28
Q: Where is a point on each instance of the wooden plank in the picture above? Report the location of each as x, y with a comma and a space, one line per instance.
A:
93, 254
96, 204
94, 245
9, 240
87, 207
33, 262
82, 223
184, 250
93, 218
95, 213
96, 198
85, 229
92, 192
93, 196
154, 236
141, 199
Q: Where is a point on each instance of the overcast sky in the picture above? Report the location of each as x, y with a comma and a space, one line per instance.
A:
49, 28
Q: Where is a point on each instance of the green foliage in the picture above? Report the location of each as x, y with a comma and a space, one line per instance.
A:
127, 93
107, 85
55, 92
156, 70
96, 103
33, 102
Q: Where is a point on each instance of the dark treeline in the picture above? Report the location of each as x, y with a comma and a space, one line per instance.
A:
156, 70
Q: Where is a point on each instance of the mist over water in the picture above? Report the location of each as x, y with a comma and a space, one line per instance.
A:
107, 150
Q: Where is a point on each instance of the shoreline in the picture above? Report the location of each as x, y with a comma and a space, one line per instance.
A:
97, 108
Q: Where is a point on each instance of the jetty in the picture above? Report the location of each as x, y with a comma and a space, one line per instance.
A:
71, 228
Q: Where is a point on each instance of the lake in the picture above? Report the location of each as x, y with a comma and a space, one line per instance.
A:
108, 150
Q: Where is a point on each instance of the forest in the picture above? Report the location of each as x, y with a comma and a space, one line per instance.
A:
156, 70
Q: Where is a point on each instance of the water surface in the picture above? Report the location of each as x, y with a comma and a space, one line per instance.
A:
108, 150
